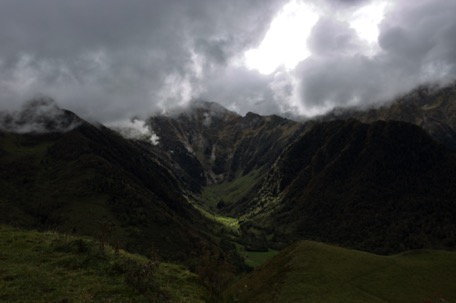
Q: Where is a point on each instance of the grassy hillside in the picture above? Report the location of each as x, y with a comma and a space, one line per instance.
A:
218, 196
315, 272
51, 267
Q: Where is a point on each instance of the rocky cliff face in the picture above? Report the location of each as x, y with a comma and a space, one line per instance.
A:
212, 144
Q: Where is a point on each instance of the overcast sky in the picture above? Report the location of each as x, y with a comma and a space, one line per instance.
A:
112, 59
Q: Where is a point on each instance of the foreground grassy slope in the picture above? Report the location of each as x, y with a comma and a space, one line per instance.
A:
315, 272
51, 267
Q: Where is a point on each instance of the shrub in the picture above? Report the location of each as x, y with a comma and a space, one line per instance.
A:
140, 277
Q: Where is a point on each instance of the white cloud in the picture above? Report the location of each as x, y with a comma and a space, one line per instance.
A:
135, 129
285, 42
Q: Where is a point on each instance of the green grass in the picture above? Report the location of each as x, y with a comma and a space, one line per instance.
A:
316, 272
51, 267
227, 221
254, 258
14, 148
232, 224
229, 192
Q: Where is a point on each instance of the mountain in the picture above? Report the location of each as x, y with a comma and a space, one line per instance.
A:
213, 145
383, 187
315, 272
432, 108
38, 116
386, 185
201, 184
89, 180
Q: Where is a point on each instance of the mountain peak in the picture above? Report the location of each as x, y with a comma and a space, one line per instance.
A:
40, 115
203, 111
207, 105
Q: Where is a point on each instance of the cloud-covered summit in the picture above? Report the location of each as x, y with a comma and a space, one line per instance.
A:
39, 115
114, 59
111, 57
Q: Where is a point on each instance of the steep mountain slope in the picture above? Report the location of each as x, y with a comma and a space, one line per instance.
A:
383, 187
432, 108
314, 272
386, 186
214, 145
91, 181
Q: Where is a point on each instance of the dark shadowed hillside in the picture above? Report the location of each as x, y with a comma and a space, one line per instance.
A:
382, 187
91, 181
215, 187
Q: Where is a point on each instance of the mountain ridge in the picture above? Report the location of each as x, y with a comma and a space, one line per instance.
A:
432, 108
82, 179
376, 173
218, 150
214, 184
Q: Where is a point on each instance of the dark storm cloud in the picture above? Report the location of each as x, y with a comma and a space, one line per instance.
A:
108, 58
331, 37
242, 90
423, 32
113, 59
417, 45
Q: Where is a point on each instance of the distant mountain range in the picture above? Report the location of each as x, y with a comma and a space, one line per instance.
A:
380, 180
379, 175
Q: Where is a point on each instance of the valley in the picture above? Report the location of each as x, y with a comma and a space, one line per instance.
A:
354, 206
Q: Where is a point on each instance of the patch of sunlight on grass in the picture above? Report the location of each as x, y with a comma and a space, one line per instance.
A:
231, 223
